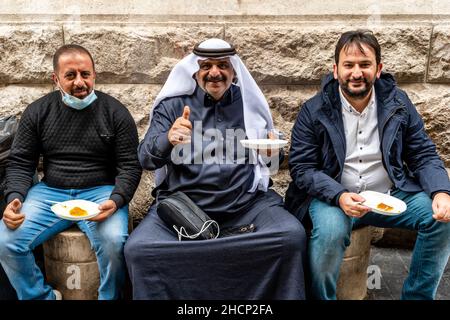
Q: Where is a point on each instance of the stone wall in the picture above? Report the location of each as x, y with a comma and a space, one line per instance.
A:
286, 49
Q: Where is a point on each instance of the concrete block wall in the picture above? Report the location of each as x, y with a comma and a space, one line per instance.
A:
287, 47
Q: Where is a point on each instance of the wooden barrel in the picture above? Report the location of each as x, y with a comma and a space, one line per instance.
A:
352, 281
71, 265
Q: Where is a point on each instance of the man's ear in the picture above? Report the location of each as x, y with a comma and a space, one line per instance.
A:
194, 76
55, 79
380, 67
335, 74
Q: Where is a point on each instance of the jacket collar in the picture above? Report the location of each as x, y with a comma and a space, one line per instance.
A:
331, 108
385, 90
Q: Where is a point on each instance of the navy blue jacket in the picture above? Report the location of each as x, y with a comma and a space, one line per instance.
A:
318, 147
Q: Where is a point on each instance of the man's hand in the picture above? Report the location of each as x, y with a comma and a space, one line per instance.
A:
181, 130
350, 203
107, 208
12, 217
269, 152
441, 207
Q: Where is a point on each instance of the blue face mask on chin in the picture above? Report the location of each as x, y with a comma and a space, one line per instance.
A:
76, 103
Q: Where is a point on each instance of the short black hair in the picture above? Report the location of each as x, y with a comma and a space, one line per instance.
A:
70, 48
358, 37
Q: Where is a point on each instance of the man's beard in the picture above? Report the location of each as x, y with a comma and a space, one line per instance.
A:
359, 94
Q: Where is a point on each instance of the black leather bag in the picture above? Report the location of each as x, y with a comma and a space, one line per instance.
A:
8, 128
179, 212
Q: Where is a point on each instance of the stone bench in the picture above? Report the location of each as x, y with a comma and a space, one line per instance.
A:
352, 281
71, 265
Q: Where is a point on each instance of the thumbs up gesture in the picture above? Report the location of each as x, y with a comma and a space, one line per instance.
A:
12, 216
181, 130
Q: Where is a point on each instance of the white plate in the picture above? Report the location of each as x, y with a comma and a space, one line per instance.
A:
374, 199
62, 209
264, 143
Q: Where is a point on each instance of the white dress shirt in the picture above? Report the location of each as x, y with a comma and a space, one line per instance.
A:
363, 167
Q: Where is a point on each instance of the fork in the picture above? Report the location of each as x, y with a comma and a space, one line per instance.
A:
55, 202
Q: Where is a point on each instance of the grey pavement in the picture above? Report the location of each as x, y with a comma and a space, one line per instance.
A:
394, 265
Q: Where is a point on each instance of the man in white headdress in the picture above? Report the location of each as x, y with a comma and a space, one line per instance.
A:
209, 102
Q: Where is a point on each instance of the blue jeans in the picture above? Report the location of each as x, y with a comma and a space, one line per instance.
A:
107, 239
331, 236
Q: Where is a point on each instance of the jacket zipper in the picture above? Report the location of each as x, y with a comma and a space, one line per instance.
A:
344, 143
401, 106
389, 117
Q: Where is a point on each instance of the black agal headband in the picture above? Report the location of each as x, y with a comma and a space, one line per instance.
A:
214, 53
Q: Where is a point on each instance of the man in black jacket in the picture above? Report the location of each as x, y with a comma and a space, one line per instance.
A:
88, 142
361, 132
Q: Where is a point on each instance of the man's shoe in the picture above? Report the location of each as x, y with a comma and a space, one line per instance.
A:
58, 295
